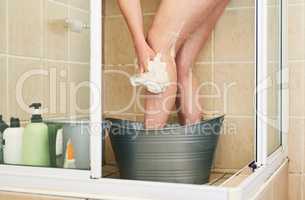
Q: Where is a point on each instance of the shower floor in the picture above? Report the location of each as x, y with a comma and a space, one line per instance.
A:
216, 178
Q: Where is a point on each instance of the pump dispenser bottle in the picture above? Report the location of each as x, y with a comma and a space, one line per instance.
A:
3, 126
12, 143
36, 140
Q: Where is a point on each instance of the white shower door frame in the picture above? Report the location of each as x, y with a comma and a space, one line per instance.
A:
91, 185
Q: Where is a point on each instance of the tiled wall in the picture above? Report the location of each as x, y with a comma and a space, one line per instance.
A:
296, 53
34, 37
227, 60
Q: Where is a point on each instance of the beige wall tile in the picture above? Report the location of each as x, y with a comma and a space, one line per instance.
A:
237, 135
148, 20
62, 1
79, 90
3, 27
297, 89
118, 47
111, 7
296, 28
295, 1
31, 87
56, 89
80, 42
242, 3
3, 88
25, 27
296, 145
280, 184
207, 94
82, 4
150, 6
235, 44
119, 94
235, 83
56, 34
295, 187
206, 52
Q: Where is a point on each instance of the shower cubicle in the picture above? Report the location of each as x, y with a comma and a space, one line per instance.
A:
76, 57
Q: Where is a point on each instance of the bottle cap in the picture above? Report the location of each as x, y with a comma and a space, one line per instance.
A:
36, 116
15, 123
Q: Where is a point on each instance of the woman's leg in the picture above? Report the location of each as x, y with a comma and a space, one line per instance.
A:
189, 109
175, 21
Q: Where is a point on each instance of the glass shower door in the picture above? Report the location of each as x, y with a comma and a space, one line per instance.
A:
269, 89
274, 65
45, 58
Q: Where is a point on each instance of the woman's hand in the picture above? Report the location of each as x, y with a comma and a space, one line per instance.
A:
144, 54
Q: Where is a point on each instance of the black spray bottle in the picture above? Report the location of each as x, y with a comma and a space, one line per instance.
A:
3, 126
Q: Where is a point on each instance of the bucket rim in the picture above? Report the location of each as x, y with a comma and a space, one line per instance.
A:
109, 120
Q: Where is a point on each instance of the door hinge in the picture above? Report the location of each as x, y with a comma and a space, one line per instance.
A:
253, 165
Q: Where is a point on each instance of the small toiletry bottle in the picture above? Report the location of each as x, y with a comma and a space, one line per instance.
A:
12, 143
36, 140
56, 144
69, 159
3, 126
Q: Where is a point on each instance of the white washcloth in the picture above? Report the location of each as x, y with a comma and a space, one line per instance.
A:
156, 80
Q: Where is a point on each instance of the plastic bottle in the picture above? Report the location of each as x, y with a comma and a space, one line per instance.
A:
36, 140
69, 158
12, 143
56, 144
3, 127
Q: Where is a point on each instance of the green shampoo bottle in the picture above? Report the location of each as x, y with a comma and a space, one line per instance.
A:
36, 140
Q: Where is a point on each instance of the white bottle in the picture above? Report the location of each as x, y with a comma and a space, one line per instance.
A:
12, 139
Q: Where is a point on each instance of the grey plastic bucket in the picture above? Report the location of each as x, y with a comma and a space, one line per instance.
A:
79, 133
177, 154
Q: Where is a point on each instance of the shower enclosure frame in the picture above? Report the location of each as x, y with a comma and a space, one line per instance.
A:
91, 185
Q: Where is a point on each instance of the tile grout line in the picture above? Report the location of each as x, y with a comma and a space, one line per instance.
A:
43, 59
303, 155
296, 61
69, 6
296, 4
213, 65
139, 115
153, 13
8, 110
7, 27
68, 44
197, 63
42, 15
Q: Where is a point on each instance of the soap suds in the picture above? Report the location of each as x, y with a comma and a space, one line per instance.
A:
156, 80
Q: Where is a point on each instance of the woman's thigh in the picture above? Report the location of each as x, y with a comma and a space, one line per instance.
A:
176, 20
